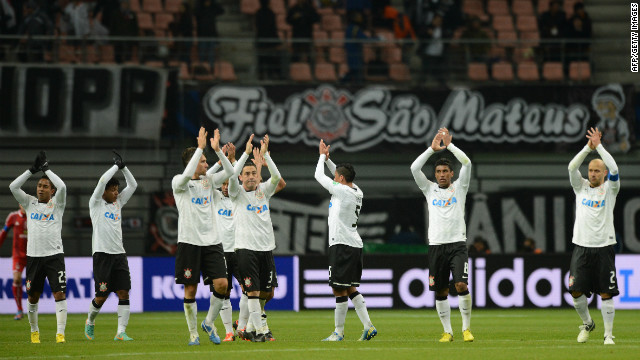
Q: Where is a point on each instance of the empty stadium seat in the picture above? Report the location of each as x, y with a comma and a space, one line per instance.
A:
502, 71
392, 55
543, 5
579, 70
498, 7
503, 23
507, 38
224, 71
249, 7
107, 54
331, 23
478, 72
527, 23
326, 72
320, 38
337, 55
281, 22
162, 20
530, 38
473, 7
368, 53
134, 5
337, 38
152, 6
528, 71
67, 54
144, 21
552, 71
278, 7
522, 7
300, 72
172, 6
399, 72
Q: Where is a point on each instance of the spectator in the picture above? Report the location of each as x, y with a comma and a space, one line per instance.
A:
267, 42
76, 15
105, 10
364, 7
479, 247
579, 33
322, 4
422, 12
432, 51
36, 22
301, 17
529, 247
206, 12
402, 30
8, 26
354, 36
480, 46
125, 23
553, 26
182, 29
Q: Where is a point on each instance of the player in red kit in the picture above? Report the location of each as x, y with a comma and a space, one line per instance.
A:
18, 221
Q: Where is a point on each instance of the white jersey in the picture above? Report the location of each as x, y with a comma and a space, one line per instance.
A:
594, 206
106, 218
194, 200
344, 207
223, 206
44, 220
446, 206
251, 211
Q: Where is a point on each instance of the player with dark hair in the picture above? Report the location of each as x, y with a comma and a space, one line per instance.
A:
345, 244
110, 265
593, 263
18, 221
45, 254
447, 231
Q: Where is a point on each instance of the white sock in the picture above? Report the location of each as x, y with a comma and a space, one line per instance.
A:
464, 303
341, 315
263, 316
191, 313
32, 314
361, 310
215, 304
93, 313
226, 316
581, 306
444, 312
123, 317
608, 313
243, 317
61, 316
254, 315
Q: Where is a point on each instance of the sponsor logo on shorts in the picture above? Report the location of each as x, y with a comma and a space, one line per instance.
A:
247, 282
572, 281
103, 286
187, 273
432, 281
28, 285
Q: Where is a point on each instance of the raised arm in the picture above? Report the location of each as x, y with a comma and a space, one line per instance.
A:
272, 183
323, 179
104, 179
574, 165
131, 187
608, 161
465, 171
416, 166
180, 182
219, 178
234, 183
16, 190
61, 192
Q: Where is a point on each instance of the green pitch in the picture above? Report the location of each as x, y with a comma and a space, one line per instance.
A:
412, 334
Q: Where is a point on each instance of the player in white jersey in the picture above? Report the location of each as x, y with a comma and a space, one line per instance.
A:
110, 266
447, 231
254, 235
199, 248
593, 267
45, 254
345, 244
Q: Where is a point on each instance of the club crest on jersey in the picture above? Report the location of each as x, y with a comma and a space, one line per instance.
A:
201, 200
259, 194
42, 217
258, 209
103, 286
187, 273
432, 281
247, 282
572, 280
28, 285
592, 203
112, 216
50, 204
205, 183
444, 203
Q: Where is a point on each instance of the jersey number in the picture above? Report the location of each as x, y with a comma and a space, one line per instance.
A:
357, 216
611, 279
61, 279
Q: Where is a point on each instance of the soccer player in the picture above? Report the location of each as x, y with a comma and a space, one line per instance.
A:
447, 231
110, 266
45, 255
17, 220
254, 235
345, 244
593, 266
199, 248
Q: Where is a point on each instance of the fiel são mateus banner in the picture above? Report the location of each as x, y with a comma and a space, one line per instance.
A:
518, 118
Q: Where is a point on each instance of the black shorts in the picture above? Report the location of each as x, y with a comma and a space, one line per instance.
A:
593, 270
191, 260
256, 270
52, 267
232, 270
345, 266
110, 273
447, 259
274, 281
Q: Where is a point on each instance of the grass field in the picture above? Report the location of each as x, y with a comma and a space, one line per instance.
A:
412, 334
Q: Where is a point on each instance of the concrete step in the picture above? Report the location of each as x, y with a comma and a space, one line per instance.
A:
611, 29
590, 3
610, 62
608, 12
604, 77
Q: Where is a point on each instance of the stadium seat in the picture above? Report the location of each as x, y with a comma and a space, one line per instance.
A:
249, 7
473, 7
159, 33
527, 23
92, 55
224, 71
368, 53
152, 6
337, 55
498, 7
503, 23
579, 70
331, 23
278, 7
502, 71
107, 54
300, 72
498, 52
144, 21
326, 72
281, 22
507, 38
528, 71
522, 7
337, 38
320, 39
552, 71
134, 5
392, 55
543, 5
530, 38
154, 64
478, 72
343, 68
323, 11
163, 20
523, 53
399, 72
202, 71
183, 69
172, 6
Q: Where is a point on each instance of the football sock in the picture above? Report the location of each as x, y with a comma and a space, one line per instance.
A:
361, 309
33, 316
254, 314
191, 313
243, 317
61, 315
226, 315
608, 313
263, 317
215, 304
581, 306
342, 305
94, 310
123, 315
464, 303
444, 312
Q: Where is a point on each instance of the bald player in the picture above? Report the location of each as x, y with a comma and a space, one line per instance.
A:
593, 267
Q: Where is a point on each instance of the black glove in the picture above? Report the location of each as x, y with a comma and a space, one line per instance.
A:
44, 164
117, 159
37, 163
